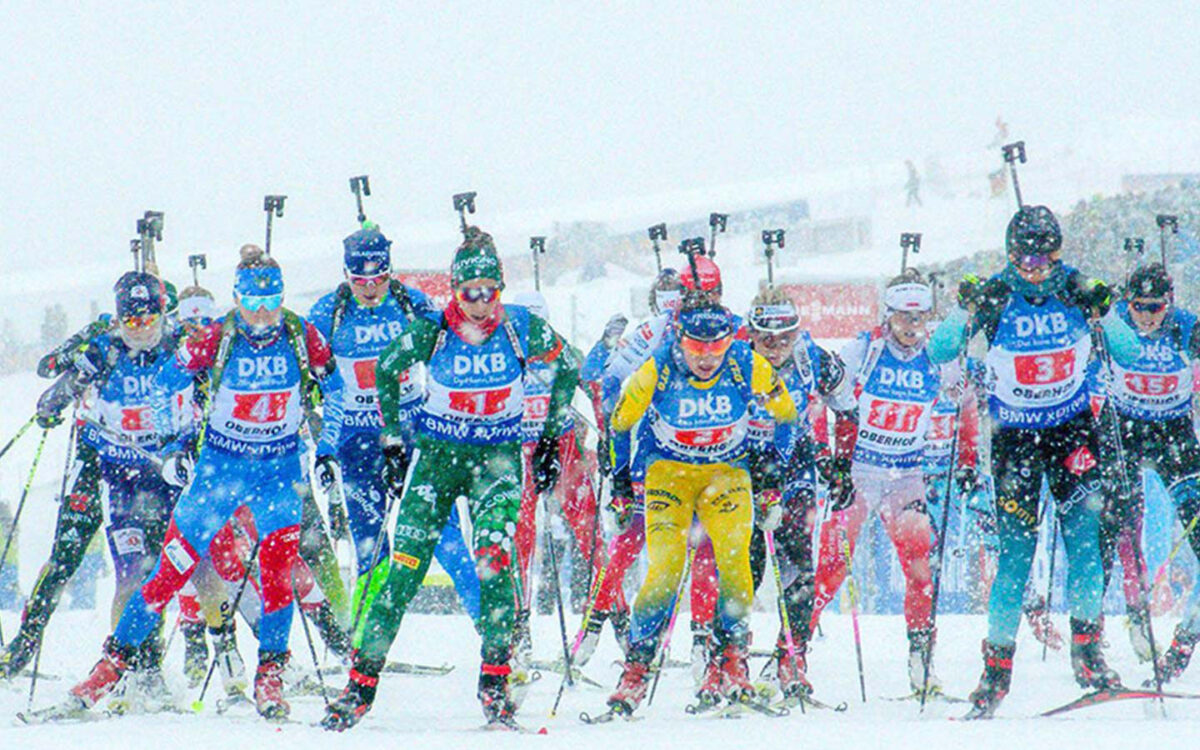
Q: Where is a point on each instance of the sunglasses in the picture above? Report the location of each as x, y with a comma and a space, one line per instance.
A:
699, 348
263, 302
136, 322
1149, 307
377, 280
477, 293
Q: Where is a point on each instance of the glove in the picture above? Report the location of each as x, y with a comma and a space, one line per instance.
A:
395, 464
177, 468
328, 472
967, 479
546, 465
48, 420
620, 509
970, 291
769, 512
1097, 296
836, 473
613, 330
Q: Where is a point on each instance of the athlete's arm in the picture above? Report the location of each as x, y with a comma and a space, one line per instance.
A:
635, 397
413, 346
324, 369
545, 345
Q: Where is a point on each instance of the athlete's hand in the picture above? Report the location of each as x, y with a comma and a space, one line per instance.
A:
970, 290
48, 419
177, 468
339, 525
395, 463
967, 479
620, 510
546, 465
1098, 297
613, 330
328, 472
769, 512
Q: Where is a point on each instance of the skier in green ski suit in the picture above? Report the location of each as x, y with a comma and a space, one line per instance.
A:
468, 443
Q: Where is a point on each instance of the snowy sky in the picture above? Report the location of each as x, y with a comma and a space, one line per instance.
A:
201, 109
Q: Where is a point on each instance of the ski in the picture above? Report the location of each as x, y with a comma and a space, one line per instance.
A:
1099, 697
737, 708
69, 711
934, 694
557, 667
809, 702
608, 716
399, 667
509, 724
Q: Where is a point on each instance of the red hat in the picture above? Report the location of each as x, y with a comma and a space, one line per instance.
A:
710, 275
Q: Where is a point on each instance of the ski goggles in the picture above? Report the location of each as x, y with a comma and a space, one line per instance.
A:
1148, 307
699, 348
255, 302
477, 293
376, 280
138, 322
1031, 263
774, 340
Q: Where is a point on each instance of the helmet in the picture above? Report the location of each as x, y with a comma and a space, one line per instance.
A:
1149, 281
706, 323
710, 275
666, 293
1033, 234
367, 253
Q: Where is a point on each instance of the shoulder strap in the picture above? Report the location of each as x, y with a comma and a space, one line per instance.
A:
339, 308
400, 292
869, 360
511, 331
296, 335
224, 348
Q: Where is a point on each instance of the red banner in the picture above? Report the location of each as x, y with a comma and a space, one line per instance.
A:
434, 283
835, 311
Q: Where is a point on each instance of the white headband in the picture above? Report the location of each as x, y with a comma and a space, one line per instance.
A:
909, 296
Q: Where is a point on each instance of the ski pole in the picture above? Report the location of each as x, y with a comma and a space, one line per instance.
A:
1161, 574
568, 679
784, 619
37, 456
1114, 422
13, 440
593, 593
378, 544
312, 650
943, 526
1050, 576
852, 590
226, 619
62, 495
666, 644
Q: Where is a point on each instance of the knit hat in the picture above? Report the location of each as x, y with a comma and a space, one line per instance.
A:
476, 259
367, 253
139, 294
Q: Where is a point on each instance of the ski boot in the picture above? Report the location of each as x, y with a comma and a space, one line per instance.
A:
195, 653
920, 658
635, 681
591, 638
106, 673
1087, 657
493, 693
789, 671
17, 654
1038, 616
268, 685
1171, 664
356, 700
143, 689
229, 661
332, 632
994, 683
735, 683
520, 675
702, 653
1137, 622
